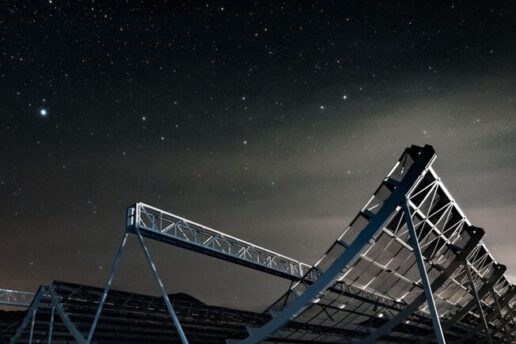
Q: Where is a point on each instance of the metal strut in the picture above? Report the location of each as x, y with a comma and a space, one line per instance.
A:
32, 324
19, 298
109, 282
51, 329
476, 234
162, 289
130, 221
479, 304
414, 242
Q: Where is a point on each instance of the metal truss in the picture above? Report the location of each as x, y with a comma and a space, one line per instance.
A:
409, 268
443, 233
378, 216
10, 297
163, 226
479, 305
136, 318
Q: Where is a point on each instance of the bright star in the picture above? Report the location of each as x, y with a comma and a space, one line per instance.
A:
43, 112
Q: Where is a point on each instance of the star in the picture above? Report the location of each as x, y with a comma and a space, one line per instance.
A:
43, 112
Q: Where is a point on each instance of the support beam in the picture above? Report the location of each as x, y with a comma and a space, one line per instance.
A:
475, 235
497, 274
162, 226
131, 219
51, 329
479, 305
439, 335
114, 268
164, 294
9, 297
34, 311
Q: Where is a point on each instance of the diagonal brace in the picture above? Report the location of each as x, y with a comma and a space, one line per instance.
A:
476, 234
479, 303
109, 282
164, 294
424, 277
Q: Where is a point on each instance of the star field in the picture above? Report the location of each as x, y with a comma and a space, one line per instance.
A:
273, 121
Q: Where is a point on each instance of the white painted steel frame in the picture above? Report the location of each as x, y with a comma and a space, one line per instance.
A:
10, 297
167, 225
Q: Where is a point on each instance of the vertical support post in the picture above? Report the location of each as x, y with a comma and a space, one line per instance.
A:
32, 325
424, 277
109, 282
479, 304
51, 324
164, 294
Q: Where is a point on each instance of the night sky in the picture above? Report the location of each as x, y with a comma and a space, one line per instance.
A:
271, 121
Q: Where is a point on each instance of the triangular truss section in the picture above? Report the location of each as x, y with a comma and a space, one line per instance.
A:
47, 303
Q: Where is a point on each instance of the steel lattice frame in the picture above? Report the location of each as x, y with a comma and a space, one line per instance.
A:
135, 318
447, 238
386, 266
409, 264
10, 297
